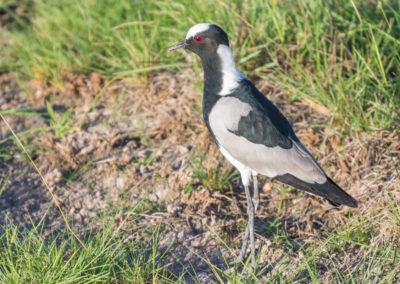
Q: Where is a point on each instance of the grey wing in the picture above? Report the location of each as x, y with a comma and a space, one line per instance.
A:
270, 161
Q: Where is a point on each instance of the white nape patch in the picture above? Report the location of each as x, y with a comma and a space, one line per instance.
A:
197, 29
245, 172
230, 75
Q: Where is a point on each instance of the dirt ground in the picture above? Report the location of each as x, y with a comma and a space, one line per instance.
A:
132, 142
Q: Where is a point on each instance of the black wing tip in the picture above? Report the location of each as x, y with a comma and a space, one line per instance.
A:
353, 204
346, 198
350, 203
328, 190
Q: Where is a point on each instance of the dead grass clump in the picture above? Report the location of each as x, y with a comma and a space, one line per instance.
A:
170, 109
74, 90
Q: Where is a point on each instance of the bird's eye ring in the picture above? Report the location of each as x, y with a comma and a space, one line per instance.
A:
198, 38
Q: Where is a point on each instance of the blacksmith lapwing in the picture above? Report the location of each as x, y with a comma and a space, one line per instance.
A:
250, 131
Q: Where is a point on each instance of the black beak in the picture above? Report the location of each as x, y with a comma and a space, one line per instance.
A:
181, 44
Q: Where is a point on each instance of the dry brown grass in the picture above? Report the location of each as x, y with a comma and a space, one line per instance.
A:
143, 145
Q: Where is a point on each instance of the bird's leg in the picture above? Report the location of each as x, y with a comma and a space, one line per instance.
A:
244, 244
250, 225
256, 201
256, 193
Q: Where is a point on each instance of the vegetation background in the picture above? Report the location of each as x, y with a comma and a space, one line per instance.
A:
113, 122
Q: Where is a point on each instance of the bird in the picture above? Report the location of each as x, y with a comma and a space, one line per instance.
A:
250, 131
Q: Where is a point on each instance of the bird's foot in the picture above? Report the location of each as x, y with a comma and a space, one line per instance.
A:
248, 271
244, 245
241, 258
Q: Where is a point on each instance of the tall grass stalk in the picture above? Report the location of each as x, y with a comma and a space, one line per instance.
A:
341, 54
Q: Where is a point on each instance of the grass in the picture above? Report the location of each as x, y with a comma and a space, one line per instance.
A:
26, 256
211, 174
60, 125
3, 184
29, 257
339, 53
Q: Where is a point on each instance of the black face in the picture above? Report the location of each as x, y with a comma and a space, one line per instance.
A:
204, 43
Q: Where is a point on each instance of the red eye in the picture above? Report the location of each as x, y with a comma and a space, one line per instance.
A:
198, 38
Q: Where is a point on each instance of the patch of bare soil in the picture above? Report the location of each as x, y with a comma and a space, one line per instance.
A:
135, 144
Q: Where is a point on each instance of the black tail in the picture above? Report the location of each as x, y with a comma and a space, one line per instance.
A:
329, 190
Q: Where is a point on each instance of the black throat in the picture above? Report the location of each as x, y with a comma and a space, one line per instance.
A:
212, 81
212, 74
212, 85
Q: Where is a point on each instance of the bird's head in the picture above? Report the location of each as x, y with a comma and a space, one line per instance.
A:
203, 39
